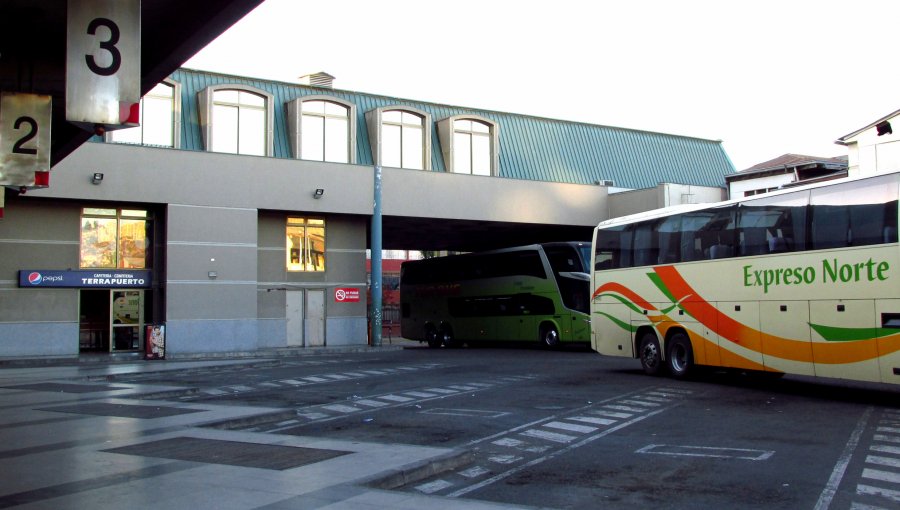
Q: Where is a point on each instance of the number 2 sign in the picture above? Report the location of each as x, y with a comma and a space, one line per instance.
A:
103, 63
24, 139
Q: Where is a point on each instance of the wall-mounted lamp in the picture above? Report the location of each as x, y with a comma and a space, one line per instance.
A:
97, 178
884, 128
318, 193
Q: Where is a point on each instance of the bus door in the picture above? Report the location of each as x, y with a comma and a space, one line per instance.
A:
740, 347
841, 357
785, 331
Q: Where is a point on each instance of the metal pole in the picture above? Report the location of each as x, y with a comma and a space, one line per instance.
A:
376, 263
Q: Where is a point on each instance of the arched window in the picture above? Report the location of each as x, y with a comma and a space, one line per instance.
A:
160, 119
236, 119
401, 137
469, 145
322, 129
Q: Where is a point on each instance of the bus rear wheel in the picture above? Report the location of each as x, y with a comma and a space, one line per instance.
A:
447, 337
650, 353
549, 336
680, 356
431, 336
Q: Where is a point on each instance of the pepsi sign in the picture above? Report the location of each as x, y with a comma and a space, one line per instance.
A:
86, 278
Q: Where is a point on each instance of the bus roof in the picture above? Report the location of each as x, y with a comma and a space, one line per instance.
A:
678, 209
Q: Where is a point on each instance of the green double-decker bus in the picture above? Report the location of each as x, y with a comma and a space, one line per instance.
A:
536, 293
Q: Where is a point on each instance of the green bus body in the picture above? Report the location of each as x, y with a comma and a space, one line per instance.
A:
536, 293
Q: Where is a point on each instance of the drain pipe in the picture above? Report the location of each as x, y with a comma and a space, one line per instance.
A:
376, 263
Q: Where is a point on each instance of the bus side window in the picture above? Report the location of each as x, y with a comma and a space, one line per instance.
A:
830, 226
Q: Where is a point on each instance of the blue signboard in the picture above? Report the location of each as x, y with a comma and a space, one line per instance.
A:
86, 278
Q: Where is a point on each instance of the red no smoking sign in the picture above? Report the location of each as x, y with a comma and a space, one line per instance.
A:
346, 295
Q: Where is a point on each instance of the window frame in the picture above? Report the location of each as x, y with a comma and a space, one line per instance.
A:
176, 119
206, 107
446, 133
374, 123
304, 223
117, 215
295, 125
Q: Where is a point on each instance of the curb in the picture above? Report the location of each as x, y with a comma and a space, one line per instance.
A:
419, 471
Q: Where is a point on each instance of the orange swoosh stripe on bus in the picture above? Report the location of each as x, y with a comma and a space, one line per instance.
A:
624, 291
785, 348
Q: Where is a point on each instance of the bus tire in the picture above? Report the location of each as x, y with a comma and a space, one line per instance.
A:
431, 336
680, 356
446, 337
549, 336
650, 353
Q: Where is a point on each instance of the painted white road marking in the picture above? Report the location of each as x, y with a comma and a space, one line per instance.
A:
707, 451
549, 436
570, 427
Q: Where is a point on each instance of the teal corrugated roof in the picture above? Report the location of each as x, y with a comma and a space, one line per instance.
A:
532, 148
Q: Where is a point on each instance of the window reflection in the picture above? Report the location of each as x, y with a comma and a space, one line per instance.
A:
402, 138
471, 147
305, 244
111, 239
239, 122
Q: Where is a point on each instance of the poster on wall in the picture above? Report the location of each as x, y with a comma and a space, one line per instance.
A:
156, 342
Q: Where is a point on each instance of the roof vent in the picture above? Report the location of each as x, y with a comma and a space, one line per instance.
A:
320, 79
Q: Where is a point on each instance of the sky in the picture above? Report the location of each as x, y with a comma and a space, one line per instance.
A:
765, 77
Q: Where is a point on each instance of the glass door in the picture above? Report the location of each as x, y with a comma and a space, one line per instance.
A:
127, 320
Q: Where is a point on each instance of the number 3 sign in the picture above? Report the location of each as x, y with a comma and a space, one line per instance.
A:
103, 63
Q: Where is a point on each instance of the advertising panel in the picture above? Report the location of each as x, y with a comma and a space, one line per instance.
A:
86, 278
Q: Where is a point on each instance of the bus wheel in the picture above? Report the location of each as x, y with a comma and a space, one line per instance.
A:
447, 338
680, 356
549, 336
431, 336
650, 353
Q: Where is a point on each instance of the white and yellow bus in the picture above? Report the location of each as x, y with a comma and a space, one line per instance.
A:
800, 281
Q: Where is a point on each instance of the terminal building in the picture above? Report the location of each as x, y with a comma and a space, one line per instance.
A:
238, 214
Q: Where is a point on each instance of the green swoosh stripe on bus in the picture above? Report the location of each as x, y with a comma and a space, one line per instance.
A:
622, 324
836, 334
625, 302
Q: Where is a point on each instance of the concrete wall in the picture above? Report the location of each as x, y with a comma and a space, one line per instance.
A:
869, 153
38, 235
664, 195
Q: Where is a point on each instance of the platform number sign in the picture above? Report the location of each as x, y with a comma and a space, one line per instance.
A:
24, 139
103, 63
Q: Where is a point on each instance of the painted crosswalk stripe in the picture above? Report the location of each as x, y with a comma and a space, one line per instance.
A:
355, 374
341, 408
611, 414
315, 379
474, 472
885, 449
504, 459
675, 390
395, 398
892, 430
337, 377
595, 421
655, 399
213, 391
240, 388
887, 439
370, 403
883, 476
419, 394
883, 461
463, 388
641, 403
549, 436
312, 415
868, 490
270, 385
508, 441
625, 408
374, 372
294, 382
570, 427
432, 487
860, 506
443, 391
